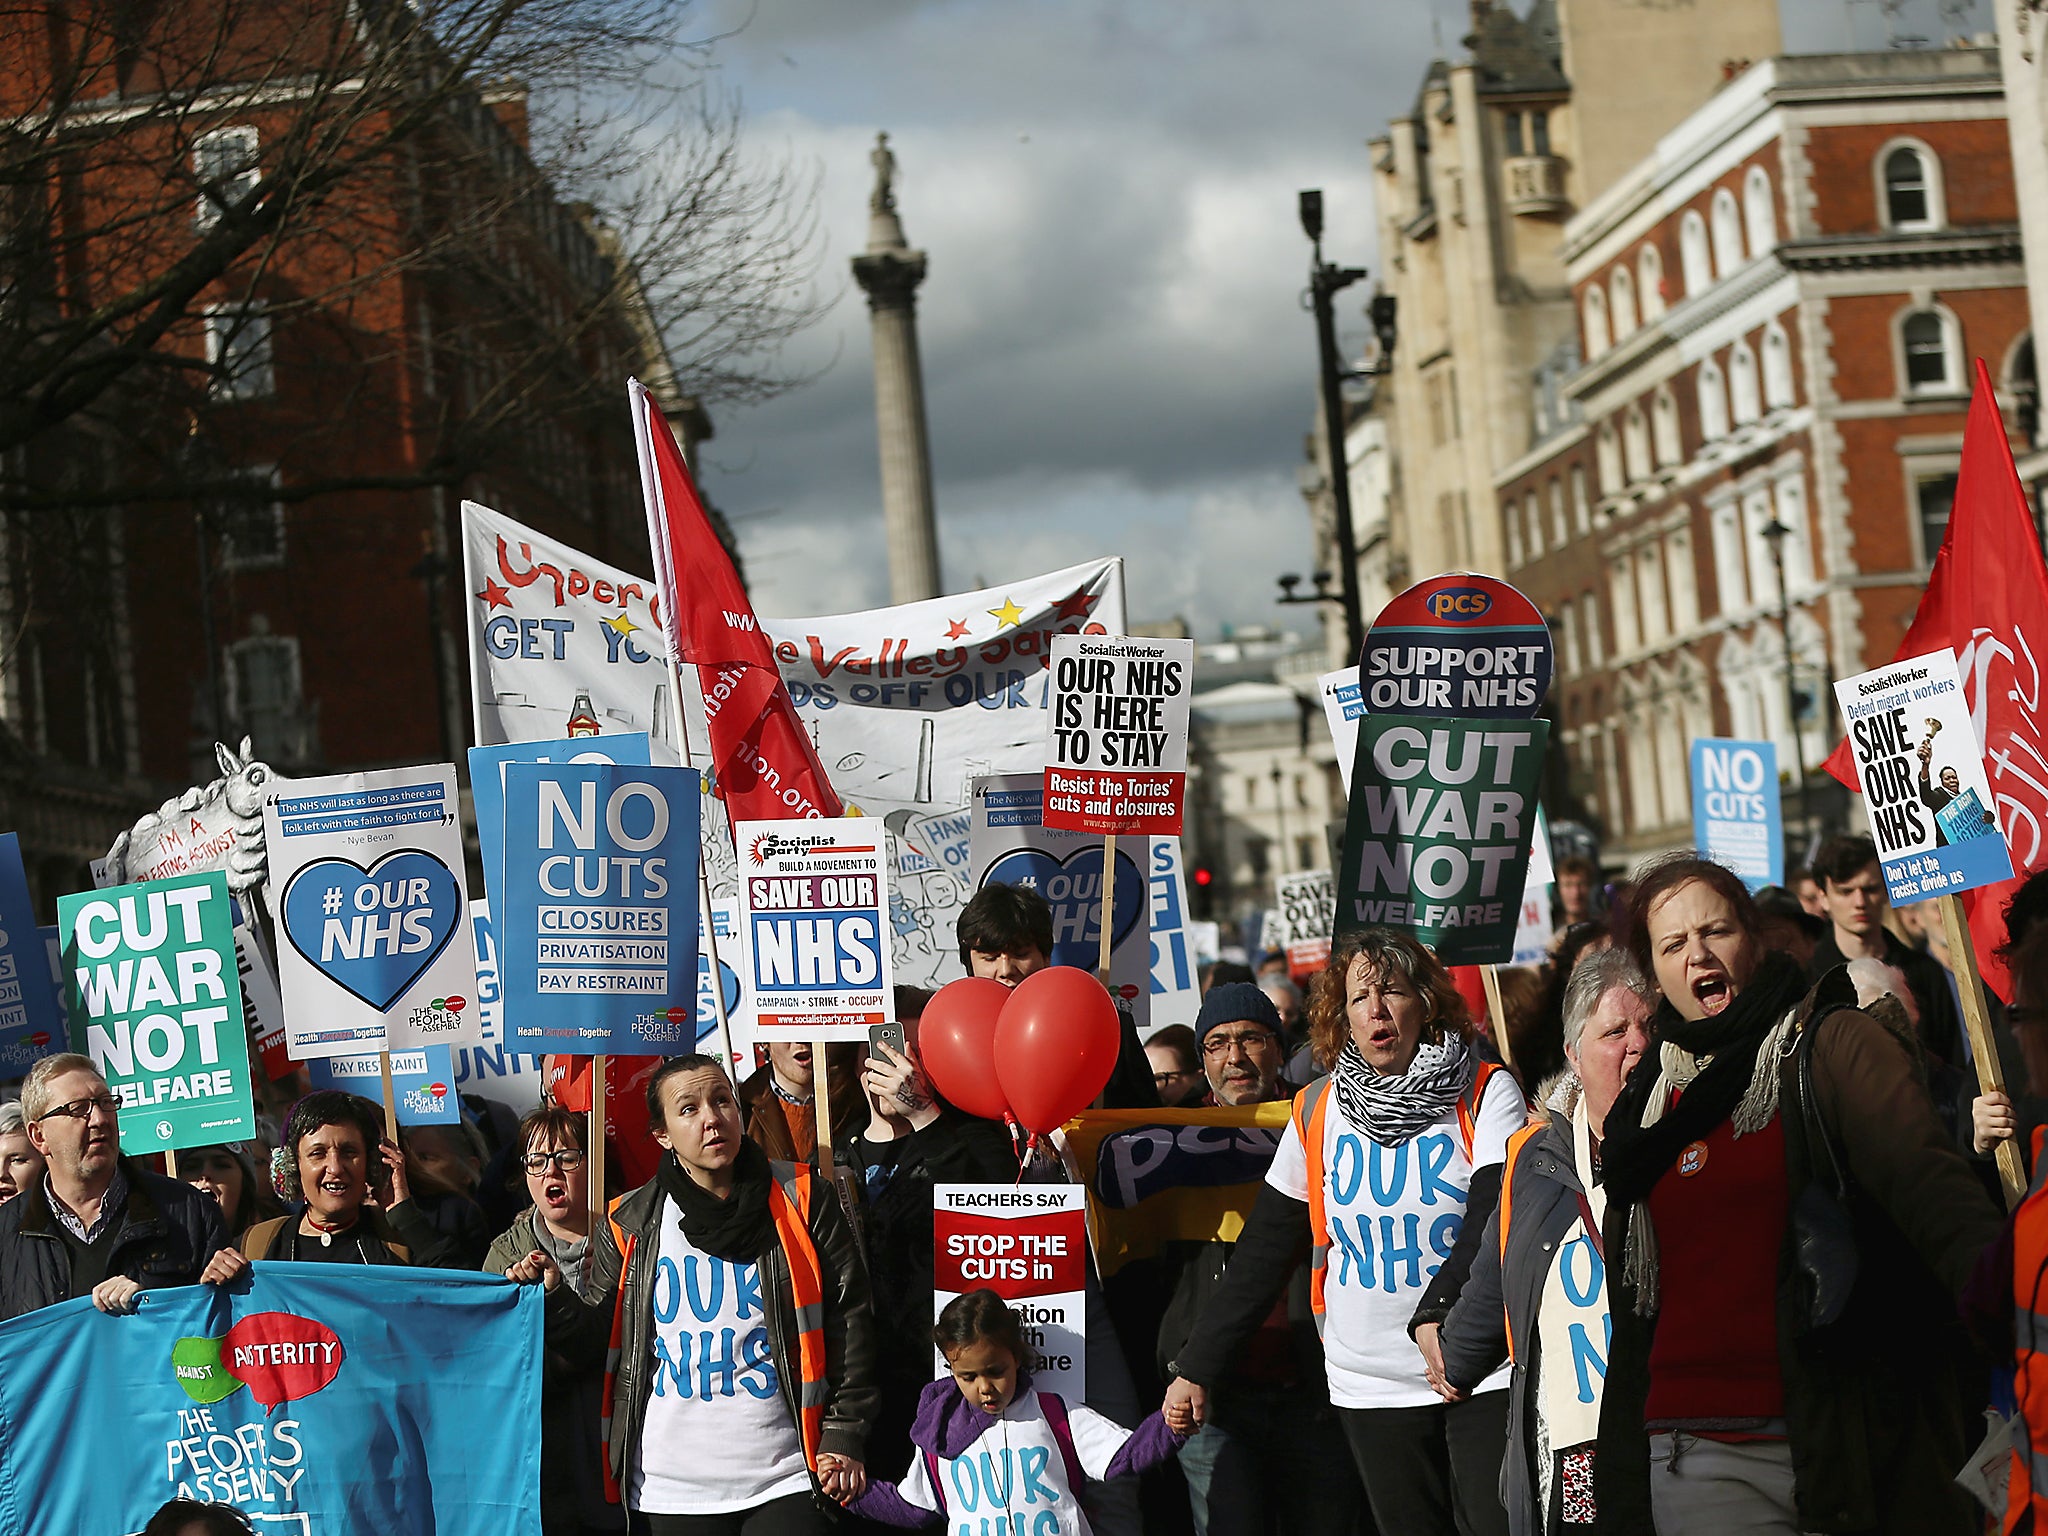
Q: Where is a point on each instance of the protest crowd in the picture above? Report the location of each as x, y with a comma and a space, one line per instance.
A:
1714, 1213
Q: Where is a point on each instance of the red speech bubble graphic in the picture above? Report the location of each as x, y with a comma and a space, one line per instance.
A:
281, 1357
438, 1090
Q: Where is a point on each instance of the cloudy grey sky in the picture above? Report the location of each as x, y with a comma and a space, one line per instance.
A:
1116, 361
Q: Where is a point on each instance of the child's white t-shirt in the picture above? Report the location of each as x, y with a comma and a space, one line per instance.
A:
1394, 1214
718, 1436
1014, 1468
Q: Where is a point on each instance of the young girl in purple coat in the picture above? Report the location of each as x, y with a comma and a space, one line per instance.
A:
991, 1448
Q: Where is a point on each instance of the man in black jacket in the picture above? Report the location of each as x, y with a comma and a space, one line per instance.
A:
1852, 882
96, 1224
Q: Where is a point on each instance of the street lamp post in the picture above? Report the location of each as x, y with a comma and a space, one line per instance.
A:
1775, 533
1279, 831
1325, 282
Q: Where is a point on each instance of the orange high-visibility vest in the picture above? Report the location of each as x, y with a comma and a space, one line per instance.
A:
2026, 1491
789, 1204
1516, 1142
1311, 1108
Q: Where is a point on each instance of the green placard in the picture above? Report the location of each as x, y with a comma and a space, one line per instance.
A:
1437, 838
154, 997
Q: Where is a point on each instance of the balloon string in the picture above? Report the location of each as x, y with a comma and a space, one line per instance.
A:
1016, 1133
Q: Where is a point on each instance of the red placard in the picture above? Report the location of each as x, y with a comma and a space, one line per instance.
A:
1015, 1258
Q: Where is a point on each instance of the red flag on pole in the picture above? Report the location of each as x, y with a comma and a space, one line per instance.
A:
1987, 600
762, 759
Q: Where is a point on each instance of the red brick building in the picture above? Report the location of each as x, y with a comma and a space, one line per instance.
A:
440, 325
1779, 309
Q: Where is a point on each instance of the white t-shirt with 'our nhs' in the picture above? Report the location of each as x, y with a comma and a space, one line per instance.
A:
1013, 1477
717, 1436
1394, 1214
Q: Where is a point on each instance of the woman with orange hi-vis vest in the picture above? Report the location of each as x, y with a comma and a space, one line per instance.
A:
1378, 1169
729, 1304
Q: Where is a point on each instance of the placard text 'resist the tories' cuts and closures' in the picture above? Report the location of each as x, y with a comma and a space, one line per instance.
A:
1117, 754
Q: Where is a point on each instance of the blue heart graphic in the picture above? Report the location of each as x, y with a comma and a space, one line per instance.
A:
1073, 886
373, 931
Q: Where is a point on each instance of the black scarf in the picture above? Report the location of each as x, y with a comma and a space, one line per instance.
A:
737, 1229
1633, 1158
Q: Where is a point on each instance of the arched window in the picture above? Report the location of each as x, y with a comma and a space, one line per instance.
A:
1696, 269
1930, 349
1713, 401
1635, 445
1759, 213
1664, 429
1597, 339
1621, 302
1727, 233
1909, 186
1650, 281
1777, 368
1745, 395
1607, 447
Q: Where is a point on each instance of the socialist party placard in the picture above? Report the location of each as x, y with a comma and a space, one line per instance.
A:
31, 1016
1437, 840
1117, 754
1922, 771
1736, 818
598, 937
1028, 1244
815, 895
151, 988
372, 909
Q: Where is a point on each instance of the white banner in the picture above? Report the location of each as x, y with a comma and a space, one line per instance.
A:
1176, 999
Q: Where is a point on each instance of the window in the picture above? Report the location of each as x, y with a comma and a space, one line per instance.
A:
1513, 521
248, 522
1635, 445
1558, 528
1621, 300
1791, 494
1608, 448
1621, 591
1582, 509
1713, 402
224, 165
1685, 595
1650, 584
1926, 343
264, 692
1535, 523
1730, 576
1664, 429
1695, 268
1597, 340
1539, 133
1650, 281
1568, 640
238, 351
1777, 368
1747, 397
1727, 233
1511, 134
1910, 187
1759, 214
1936, 498
1589, 627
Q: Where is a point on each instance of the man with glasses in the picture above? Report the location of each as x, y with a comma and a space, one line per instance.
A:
96, 1224
1270, 1456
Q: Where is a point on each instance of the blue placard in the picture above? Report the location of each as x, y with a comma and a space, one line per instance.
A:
1737, 816
1965, 818
422, 1082
316, 1398
31, 1021
487, 787
598, 939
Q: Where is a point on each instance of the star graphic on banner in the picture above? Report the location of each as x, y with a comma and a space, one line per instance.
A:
1009, 613
1078, 606
494, 596
621, 623
956, 628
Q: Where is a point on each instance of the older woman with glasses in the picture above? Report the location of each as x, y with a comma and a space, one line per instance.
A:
557, 1171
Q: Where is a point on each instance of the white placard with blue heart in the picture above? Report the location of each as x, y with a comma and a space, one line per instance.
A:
368, 887
1011, 845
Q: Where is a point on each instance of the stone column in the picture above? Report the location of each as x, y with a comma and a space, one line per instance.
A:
889, 272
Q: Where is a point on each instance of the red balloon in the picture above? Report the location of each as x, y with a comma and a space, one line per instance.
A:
1056, 1045
956, 1041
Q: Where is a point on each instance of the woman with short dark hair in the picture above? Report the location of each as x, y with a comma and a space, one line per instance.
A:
333, 1160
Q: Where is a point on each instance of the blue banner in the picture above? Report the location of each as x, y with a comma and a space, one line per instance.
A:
422, 1082
1737, 817
319, 1399
31, 1020
598, 935
487, 788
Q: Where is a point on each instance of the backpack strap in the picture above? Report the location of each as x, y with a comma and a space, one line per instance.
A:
931, 1475
1055, 1410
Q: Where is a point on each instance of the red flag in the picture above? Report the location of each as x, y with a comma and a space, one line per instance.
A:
762, 760
1987, 600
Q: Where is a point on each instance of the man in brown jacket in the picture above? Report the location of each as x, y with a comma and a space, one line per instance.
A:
780, 1101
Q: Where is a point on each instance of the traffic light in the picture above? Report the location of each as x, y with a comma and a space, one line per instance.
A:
1204, 879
